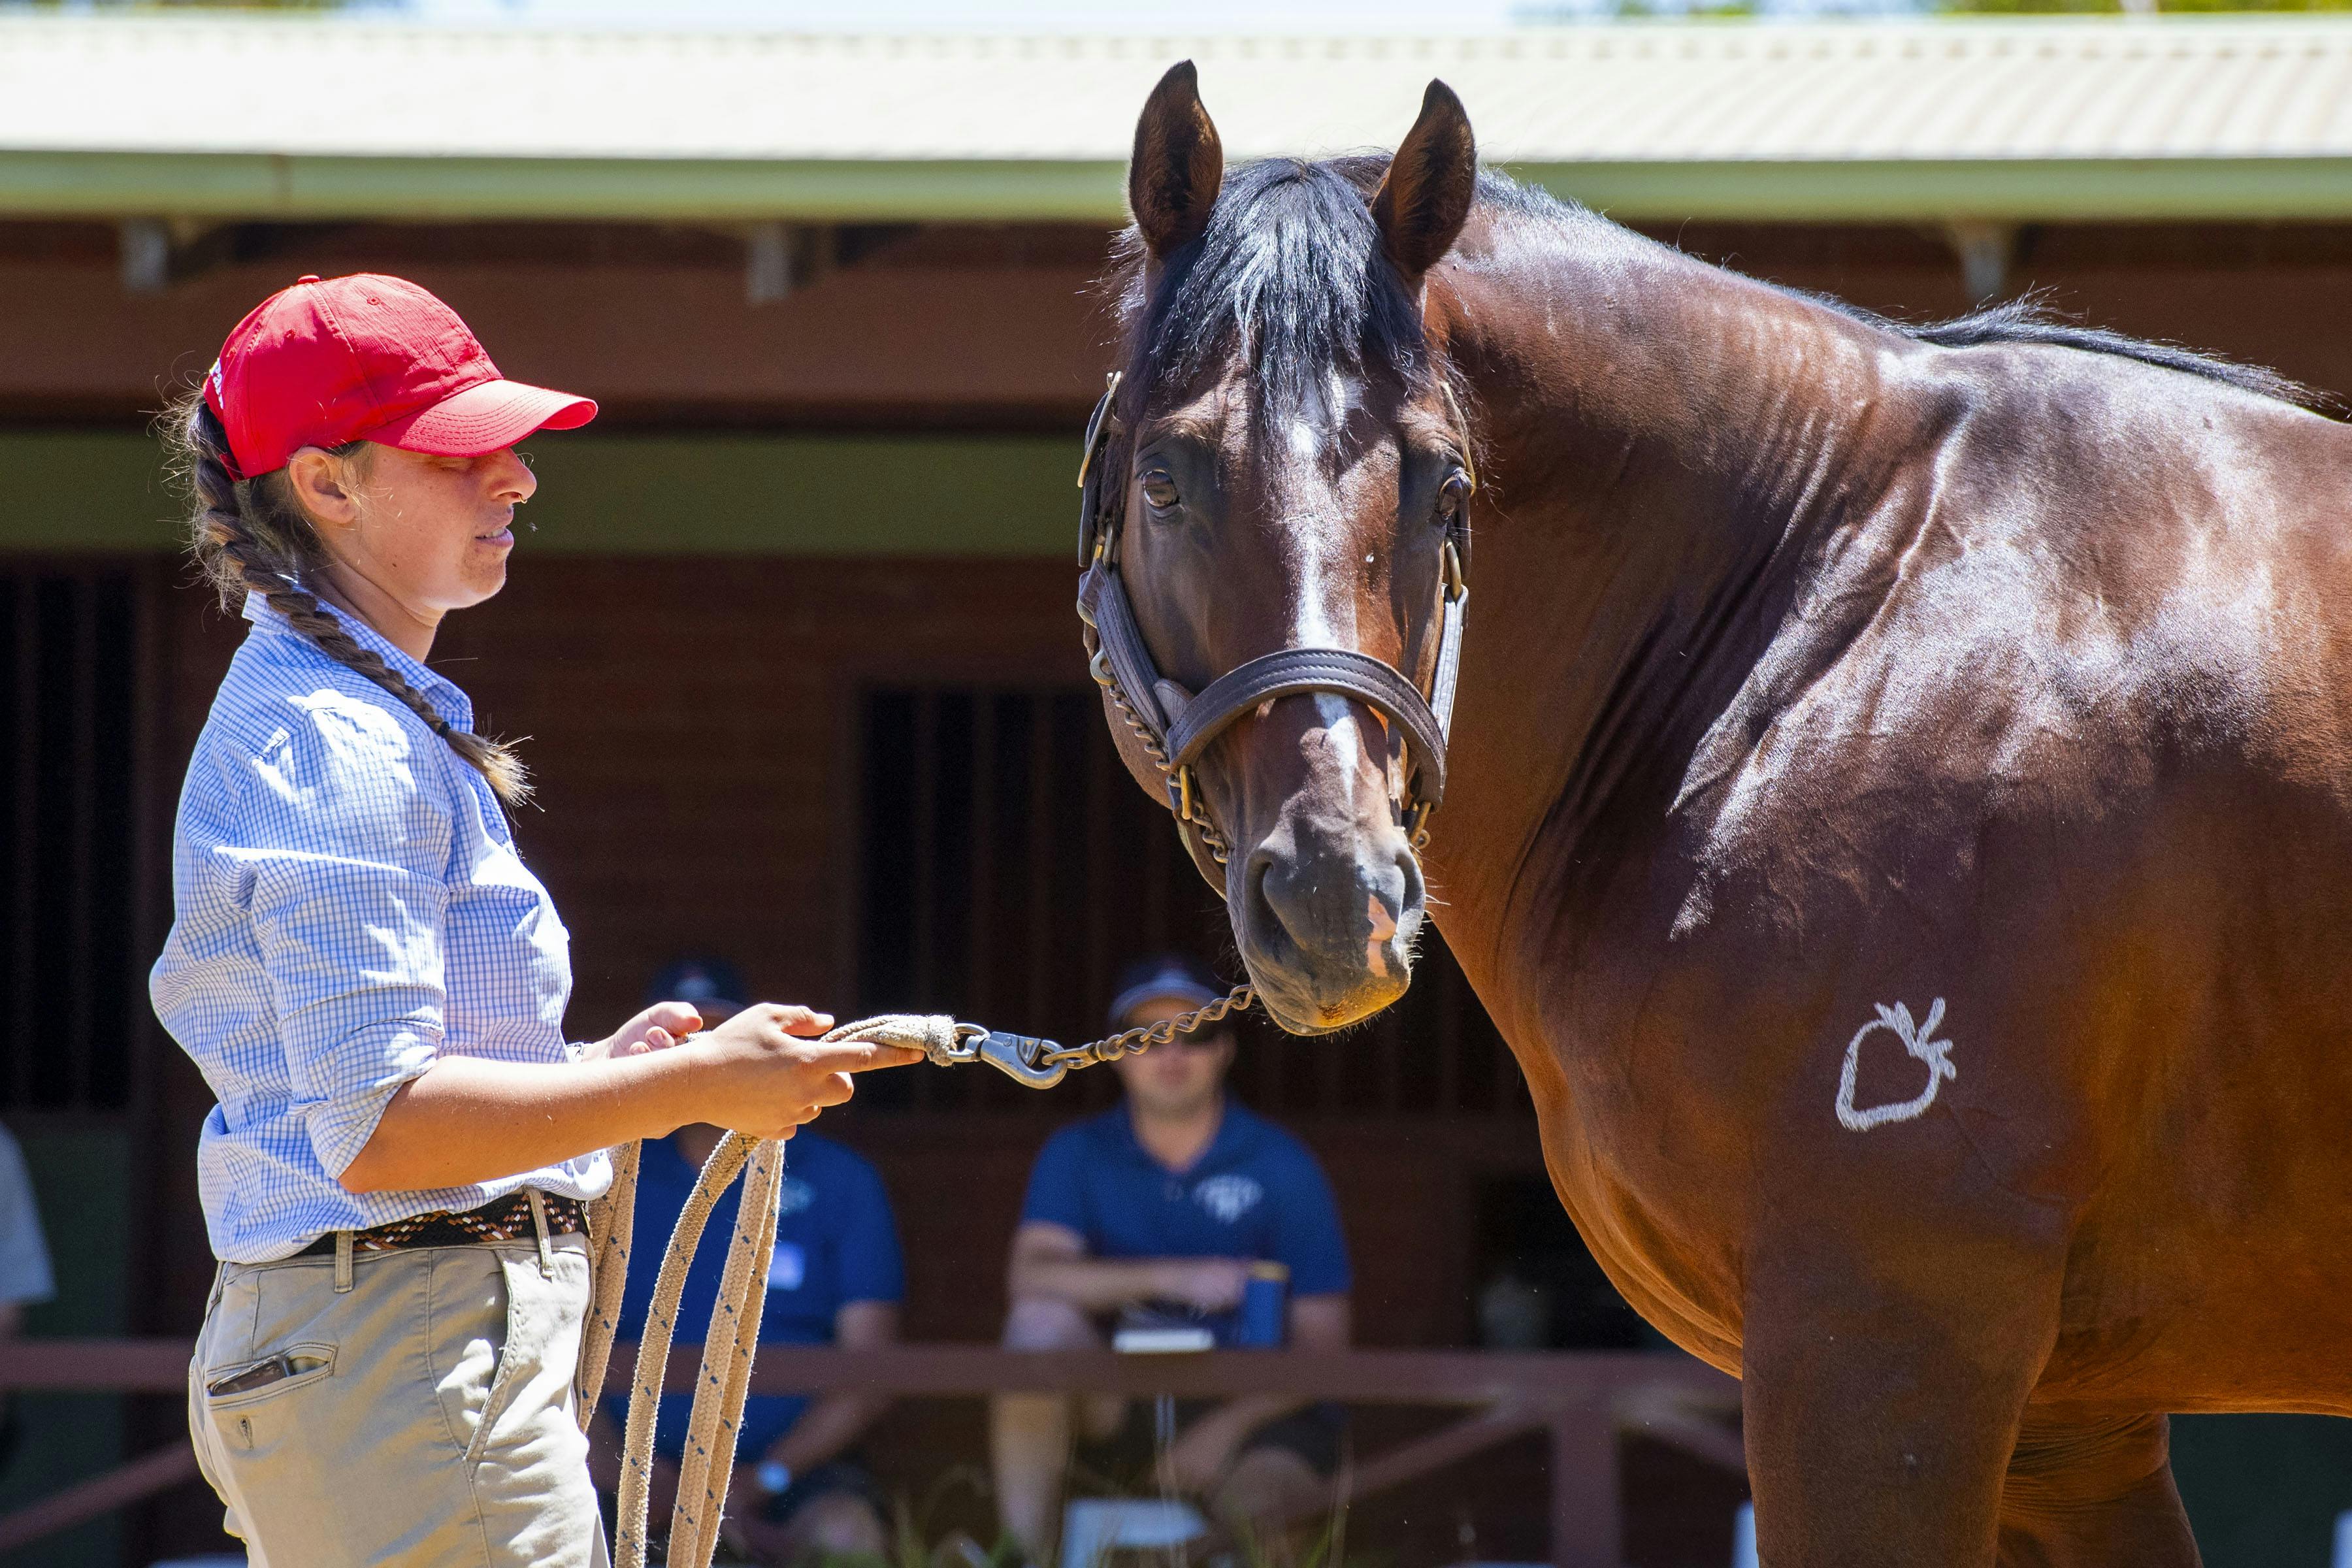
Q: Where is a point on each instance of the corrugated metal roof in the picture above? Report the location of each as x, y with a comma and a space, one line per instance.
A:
388, 117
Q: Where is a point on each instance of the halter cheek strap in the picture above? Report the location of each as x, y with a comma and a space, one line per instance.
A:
1167, 729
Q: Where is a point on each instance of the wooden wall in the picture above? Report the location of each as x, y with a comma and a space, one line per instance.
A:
689, 724
690, 718
980, 326
688, 721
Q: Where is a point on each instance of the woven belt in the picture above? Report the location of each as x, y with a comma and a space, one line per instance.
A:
501, 1219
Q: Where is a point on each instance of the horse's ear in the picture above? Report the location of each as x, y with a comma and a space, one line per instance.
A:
1172, 180
1424, 198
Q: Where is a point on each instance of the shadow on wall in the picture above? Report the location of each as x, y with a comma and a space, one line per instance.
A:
2263, 1491
1539, 1286
80, 1178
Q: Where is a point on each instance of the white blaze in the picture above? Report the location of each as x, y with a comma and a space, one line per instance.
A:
1324, 615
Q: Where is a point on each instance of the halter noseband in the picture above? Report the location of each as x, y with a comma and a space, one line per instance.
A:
1173, 727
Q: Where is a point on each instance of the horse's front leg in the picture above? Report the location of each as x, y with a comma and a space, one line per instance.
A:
1886, 1363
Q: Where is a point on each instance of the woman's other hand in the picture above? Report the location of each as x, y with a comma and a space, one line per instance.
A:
768, 1074
657, 1028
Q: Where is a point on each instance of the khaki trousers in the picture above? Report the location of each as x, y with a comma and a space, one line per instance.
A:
427, 1418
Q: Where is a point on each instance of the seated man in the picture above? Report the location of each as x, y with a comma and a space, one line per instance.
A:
836, 1278
1164, 1202
25, 1277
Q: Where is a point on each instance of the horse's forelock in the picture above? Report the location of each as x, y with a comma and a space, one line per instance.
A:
1289, 274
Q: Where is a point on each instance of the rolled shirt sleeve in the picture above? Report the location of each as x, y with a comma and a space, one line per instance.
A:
346, 907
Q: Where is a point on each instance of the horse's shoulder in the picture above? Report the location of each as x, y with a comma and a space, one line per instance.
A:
2001, 678
1913, 662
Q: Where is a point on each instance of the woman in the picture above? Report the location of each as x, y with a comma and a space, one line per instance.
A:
374, 984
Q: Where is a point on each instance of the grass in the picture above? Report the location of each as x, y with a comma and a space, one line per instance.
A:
916, 1544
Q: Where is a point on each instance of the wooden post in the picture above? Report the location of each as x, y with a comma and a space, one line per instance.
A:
1587, 1527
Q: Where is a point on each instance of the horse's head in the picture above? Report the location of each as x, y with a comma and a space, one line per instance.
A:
1284, 469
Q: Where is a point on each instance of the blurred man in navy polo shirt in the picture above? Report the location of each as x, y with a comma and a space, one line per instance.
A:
836, 1277
1160, 1204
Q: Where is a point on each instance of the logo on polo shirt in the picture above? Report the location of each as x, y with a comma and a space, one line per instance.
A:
787, 1267
793, 1194
1229, 1197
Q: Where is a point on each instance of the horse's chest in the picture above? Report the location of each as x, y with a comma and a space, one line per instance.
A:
1643, 1083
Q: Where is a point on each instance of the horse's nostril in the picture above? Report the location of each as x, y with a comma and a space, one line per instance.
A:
1259, 906
1331, 930
1309, 911
1393, 905
1316, 907
1269, 887
1409, 868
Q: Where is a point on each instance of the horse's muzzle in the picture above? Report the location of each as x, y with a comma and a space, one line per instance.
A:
1327, 924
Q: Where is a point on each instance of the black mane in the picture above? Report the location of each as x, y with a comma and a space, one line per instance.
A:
2028, 320
2025, 320
1290, 270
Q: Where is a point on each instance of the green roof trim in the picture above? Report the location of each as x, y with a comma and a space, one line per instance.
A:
1932, 190
275, 185
264, 185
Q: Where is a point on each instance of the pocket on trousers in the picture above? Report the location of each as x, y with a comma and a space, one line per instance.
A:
241, 1384
536, 1361
482, 1364
262, 1346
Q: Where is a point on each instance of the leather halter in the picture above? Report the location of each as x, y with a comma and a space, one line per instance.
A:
1173, 727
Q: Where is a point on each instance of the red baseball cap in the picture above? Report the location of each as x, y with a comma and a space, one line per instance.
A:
373, 358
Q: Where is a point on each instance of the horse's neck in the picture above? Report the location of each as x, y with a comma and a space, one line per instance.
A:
1662, 440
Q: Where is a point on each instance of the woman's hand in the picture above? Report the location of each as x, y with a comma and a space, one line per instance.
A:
470, 1118
657, 1028
766, 1074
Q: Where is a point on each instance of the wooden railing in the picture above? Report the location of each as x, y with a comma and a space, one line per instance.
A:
1584, 1401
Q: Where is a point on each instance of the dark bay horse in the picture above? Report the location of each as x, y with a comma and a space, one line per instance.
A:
1899, 807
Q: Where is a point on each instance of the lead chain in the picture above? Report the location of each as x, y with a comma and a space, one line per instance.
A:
1139, 1040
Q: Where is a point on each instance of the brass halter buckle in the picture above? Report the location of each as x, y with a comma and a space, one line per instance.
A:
1097, 426
1180, 793
1091, 540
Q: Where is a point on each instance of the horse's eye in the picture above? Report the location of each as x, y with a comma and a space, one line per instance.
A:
1452, 496
1159, 490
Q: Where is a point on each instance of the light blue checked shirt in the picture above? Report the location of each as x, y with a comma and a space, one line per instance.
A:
348, 906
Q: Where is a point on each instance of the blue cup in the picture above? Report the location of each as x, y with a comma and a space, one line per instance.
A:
1262, 1300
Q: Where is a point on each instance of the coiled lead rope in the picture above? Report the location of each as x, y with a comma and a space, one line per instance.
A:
724, 1378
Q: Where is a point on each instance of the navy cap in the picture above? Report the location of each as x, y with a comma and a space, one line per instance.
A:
1170, 976
702, 981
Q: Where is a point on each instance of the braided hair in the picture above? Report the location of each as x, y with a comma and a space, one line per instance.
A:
252, 536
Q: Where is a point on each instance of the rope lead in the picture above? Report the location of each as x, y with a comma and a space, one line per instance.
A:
733, 1335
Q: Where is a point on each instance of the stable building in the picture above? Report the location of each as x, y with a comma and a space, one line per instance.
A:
792, 634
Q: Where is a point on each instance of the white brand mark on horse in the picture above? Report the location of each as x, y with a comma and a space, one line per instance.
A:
1920, 1041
